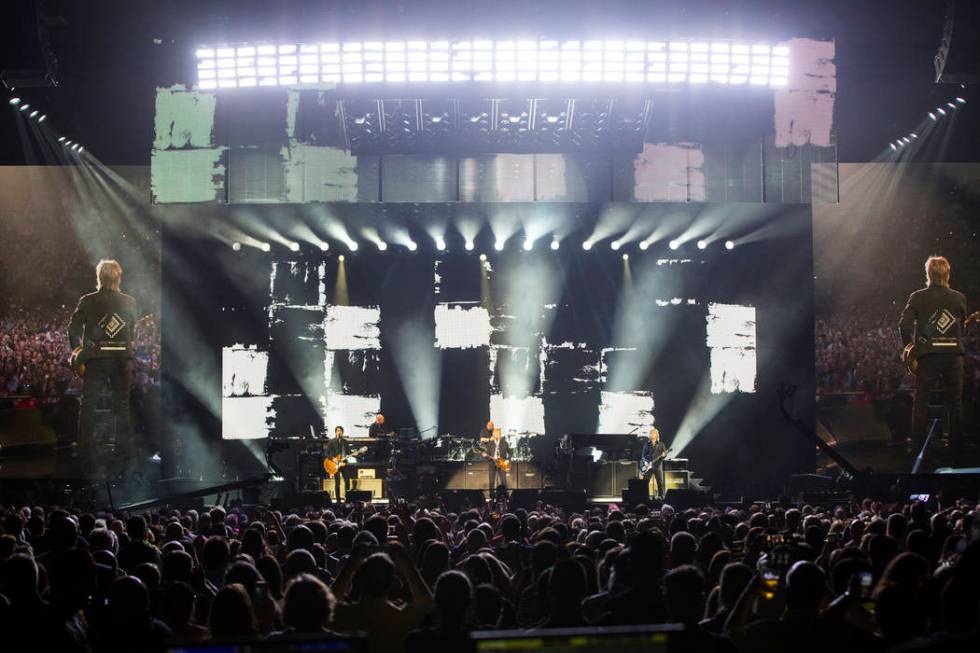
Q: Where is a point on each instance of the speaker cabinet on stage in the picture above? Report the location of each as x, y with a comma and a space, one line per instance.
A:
676, 479
524, 499
684, 499
609, 479
525, 476
373, 485
457, 500
311, 477
568, 500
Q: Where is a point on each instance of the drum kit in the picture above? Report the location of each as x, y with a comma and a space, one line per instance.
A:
453, 448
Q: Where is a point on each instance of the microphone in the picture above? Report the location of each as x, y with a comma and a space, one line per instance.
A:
635, 429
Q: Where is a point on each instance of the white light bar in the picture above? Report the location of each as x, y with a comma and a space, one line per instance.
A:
608, 62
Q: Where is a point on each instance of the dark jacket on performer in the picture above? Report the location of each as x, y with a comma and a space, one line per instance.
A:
504, 448
337, 447
104, 318
652, 451
933, 319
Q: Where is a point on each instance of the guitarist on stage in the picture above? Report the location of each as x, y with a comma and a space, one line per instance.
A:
933, 321
497, 448
339, 446
653, 454
101, 336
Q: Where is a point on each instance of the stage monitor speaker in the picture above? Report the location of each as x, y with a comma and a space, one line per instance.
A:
459, 500
362, 496
524, 498
637, 492
373, 485
568, 500
676, 479
684, 499
304, 499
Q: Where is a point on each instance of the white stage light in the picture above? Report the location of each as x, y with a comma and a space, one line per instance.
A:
352, 245
265, 247
483, 257
614, 245
941, 110
469, 245
729, 244
674, 244
644, 245
914, 135
43, 117
950, 105
24, 107
294, 246
382, 245
932, 115
341, 258
702, 244
626, 257
961, 100
555, 244
440, 244
14, 101
67, 143
892, 145
236, 246
412, 246
587, 245
499, 245
81, 148
324, 245
528, 244
61, 139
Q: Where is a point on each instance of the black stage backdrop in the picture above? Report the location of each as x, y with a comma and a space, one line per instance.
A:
273, 344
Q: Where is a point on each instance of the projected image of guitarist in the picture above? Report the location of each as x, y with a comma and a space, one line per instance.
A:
652, 463
101, 337
497, 453
932, 327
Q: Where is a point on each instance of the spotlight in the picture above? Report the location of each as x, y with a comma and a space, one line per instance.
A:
499, 245
626, 257
469, 245
961, 100
905, 139
932, 115
236, 246
528, 244
555, 244
43, 117
382, 245
412, 245
352, 246
892, 145
24, 107
324, 245
341, 258
587, 245
702, 244
729, 244
483, 257
67, 143
14, 101
950, 105
35, 112
440, 244
75, 147
265, 247
81, 148
939, 109
615, 245
644, 245
294, 246
914, 135
674, 244
61, 139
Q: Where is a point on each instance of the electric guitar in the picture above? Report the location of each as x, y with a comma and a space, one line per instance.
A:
333, 464
647, 466
501, 463
911, 358
81, 355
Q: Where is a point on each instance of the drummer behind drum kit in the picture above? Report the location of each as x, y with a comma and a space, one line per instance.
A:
453, 448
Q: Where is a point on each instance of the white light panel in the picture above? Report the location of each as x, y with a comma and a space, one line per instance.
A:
607, 62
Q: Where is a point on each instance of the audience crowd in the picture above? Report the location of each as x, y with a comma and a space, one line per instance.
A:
867, 576
34, 352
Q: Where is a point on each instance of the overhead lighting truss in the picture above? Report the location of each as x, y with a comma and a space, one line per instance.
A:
521, 61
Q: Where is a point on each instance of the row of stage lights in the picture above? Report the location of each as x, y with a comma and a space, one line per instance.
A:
35, 114
935, 115
499, 245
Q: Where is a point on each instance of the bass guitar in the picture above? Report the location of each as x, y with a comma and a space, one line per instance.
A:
911, 358
333, 464
501, 463
647, 466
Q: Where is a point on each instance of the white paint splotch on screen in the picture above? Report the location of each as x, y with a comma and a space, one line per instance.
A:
625, 412
243, 371
321, 290
436, 277
669, 172
522, 415
196, 175
183, 118
352, 327
354, 412
804, 108
462, 325
731, 340
246, 418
